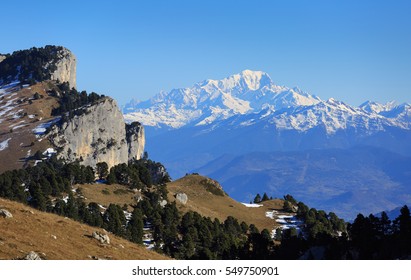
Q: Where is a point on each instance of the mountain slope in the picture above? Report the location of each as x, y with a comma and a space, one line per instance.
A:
41, 114
201, 199
54, 237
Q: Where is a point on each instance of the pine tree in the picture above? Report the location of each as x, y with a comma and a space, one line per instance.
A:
114, 219
287, 207
136, 226
265, 197
257, 198
38, 200
95, 218
102, 170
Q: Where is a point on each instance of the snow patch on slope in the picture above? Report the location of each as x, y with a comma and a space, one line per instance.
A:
5, 144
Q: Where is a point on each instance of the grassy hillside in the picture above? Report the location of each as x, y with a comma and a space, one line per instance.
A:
56, 237
21, 111
106, 194
202, 200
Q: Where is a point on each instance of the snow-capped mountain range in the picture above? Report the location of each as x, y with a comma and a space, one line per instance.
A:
254, 137
253, 94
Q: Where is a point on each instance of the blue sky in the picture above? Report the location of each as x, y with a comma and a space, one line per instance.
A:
350, 50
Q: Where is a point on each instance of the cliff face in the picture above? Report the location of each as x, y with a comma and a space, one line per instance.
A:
99, 134
2, 57
66, 67
135, 140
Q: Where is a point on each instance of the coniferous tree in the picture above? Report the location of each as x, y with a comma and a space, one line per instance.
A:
257, 198
114, 220
95, 217
38, 200
102, 170
136, 226
265, 197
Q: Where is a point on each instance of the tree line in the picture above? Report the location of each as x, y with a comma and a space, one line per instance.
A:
29, 65
193, 236
71, 101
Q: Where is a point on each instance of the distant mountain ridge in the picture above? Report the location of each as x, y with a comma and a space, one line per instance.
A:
216, 127
212, 100
253, 94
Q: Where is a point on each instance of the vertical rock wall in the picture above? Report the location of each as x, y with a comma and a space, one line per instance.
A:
66, 67
99, 135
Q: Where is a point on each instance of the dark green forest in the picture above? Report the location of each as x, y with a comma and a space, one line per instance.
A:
192, 236
71, 101
28, 66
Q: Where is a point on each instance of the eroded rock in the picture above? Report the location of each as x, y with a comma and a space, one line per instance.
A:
32, 256
102, 237
182, 198
5, 214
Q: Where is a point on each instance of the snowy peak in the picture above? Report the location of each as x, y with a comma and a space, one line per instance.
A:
374, 107
213, 100
251, 97
247, 79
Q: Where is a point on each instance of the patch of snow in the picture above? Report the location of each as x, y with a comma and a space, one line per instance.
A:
270, 214
8, 86
17, 126
49, 152
102, 207
285, 216
31, 116
285, 221
5, 144
252, 205
128, 215
41, 128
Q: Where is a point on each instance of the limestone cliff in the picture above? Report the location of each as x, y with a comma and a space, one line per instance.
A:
65, 65
39, 64
98, 134
135, 140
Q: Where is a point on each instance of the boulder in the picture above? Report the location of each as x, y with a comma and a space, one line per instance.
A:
32, 256
163, 203
182, 198
5, 214
102, 237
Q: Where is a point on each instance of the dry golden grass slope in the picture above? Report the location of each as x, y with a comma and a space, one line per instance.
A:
55, 238
107, 194
201, 200
20, 113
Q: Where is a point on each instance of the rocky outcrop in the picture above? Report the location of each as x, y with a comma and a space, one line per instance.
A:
135, 140
66, 67
102, 237
182, 198
98, 134
5, 214
39, 64
32, 256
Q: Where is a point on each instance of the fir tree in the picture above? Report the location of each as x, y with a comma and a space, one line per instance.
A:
257, 198
136, 226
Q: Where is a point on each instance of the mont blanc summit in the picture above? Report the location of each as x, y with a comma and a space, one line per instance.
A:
216, 127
